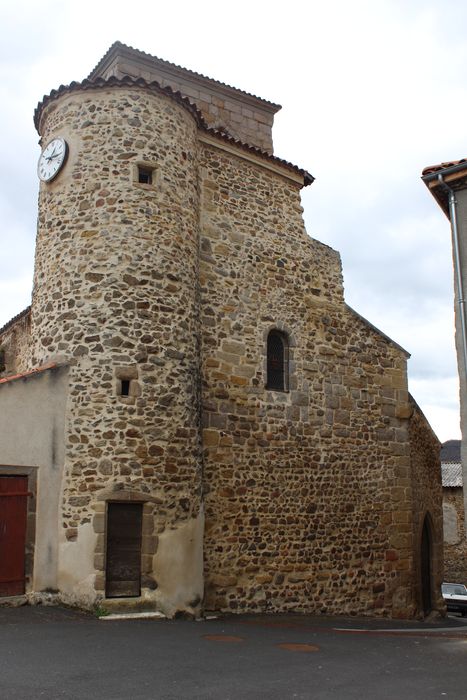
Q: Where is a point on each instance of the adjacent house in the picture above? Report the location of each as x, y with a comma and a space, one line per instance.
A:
455, 544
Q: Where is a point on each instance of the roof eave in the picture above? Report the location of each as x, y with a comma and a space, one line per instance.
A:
125, 51
100, 83
453, 175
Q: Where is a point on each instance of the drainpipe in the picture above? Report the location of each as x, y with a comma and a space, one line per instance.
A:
457, 265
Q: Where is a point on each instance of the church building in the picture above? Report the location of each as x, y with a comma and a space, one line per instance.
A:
192, 417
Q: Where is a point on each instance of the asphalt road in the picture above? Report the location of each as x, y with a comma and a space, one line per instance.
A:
54, 653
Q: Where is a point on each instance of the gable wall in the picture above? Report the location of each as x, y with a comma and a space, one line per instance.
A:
15, 343
301, 486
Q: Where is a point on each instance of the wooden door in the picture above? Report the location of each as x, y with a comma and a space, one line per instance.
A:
13, 519
123, 550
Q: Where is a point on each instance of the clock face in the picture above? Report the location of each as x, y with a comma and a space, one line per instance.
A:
51, 159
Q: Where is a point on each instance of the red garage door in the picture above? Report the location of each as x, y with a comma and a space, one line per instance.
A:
13, 515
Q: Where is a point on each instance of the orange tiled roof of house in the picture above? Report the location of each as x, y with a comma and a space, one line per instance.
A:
442, 166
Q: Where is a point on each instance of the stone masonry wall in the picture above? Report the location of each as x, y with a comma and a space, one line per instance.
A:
15, 343
174, 286
115, 294
245, 117
427, 501
455, 543
302, 486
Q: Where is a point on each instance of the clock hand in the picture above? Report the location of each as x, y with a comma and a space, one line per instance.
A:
52, 157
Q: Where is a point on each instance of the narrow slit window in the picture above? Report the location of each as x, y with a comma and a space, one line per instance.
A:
125, 388
144, 175
277, 361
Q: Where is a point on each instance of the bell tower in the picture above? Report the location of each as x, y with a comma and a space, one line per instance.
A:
116, 297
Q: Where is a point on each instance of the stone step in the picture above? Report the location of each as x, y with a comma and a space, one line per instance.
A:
13, 601
134, 616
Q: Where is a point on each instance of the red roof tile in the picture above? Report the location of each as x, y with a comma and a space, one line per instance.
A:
442, 166
453, 173
29, 373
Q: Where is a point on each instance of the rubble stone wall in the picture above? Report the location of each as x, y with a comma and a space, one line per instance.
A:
244, 116
455, 543
115, 294
15, 345
308, 491
305, 497
427, 502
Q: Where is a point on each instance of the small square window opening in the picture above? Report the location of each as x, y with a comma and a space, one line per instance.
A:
125, 390
144, 175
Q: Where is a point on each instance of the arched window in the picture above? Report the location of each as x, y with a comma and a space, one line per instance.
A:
277, 361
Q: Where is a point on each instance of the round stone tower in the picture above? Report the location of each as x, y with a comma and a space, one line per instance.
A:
115, 296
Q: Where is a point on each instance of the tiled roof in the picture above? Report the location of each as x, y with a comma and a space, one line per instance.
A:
451, 474
127, 81
451, 451
16, 318
442, 166
31, 372
452, 173
118, 44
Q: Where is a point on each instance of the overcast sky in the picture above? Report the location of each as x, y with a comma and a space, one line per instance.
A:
372, 92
